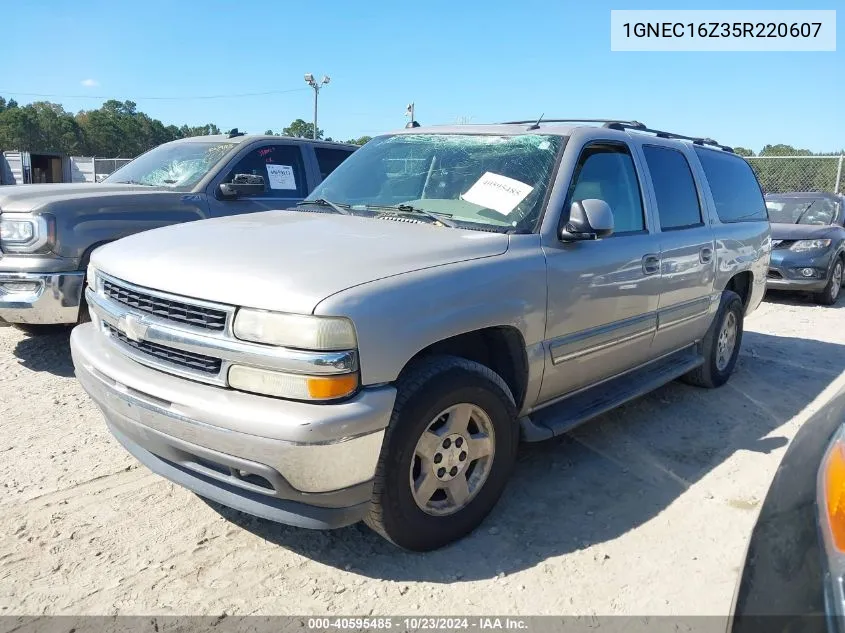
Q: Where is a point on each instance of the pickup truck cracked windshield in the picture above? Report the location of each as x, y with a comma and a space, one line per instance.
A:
378, 352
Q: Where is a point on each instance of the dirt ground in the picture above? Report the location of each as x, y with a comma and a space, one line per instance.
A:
643, 511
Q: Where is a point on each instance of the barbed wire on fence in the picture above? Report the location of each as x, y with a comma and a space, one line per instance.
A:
781, 174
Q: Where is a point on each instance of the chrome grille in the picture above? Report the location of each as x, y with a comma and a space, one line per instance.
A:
180, 358
198, 316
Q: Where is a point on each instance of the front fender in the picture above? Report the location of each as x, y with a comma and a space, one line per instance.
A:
397, 317
82, 222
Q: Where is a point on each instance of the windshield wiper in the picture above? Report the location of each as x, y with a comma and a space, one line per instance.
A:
322, 202
442, 218
133, 182
804, 212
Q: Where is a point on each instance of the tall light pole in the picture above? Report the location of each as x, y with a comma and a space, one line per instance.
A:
309, 79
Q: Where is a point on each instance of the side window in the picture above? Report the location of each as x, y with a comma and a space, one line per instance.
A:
734, 186
678, 206
607, 172
329, 158
281, 167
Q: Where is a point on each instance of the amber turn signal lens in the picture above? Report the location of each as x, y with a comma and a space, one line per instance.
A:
294, 386
834, 492
329, 387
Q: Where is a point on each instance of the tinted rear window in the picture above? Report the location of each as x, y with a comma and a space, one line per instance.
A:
735, 189
677, 197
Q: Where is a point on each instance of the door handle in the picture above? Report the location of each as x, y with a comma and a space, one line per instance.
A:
705, 255
651, 264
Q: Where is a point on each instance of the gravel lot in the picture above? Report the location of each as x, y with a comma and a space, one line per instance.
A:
643, 511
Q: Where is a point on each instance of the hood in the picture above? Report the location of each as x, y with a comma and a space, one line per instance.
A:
287, 261
803, 231
26, 198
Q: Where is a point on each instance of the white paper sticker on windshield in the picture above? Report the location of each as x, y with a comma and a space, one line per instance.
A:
497, 192
281, 176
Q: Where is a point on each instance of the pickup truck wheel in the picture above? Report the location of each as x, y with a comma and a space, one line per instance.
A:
830, 294
447, 454
721, 344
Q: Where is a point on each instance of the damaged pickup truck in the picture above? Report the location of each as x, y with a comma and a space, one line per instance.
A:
379, 352
48, 232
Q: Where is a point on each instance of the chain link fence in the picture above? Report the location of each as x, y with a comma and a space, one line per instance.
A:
782, 174
103, 167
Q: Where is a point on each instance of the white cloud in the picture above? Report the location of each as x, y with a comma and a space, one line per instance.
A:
90, 83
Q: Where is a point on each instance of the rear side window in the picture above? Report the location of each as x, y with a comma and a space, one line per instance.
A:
330, 158
734, 186
677, 198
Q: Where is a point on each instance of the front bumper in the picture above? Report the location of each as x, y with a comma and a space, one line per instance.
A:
53, 297
308, 465
785, 269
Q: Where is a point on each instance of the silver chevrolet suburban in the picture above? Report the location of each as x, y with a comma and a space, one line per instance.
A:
379, 352
48, 232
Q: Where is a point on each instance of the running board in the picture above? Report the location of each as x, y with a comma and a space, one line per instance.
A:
564, 415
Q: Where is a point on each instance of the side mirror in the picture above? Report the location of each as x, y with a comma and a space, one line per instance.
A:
241, 185
589, 219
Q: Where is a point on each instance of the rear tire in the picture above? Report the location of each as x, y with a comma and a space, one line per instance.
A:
721, 344
830, 294
447, 454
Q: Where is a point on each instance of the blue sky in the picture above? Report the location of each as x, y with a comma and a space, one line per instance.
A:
481, 61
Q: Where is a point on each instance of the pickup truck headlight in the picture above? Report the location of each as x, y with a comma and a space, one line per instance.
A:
809, 245
295, 330
293, 386
27, 234
91, 277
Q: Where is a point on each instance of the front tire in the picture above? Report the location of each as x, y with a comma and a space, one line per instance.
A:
830, 294
447, 454
721, 344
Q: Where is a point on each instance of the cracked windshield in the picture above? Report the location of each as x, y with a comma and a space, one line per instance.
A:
465, 180
178, 166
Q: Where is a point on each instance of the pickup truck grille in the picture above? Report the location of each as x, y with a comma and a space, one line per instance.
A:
198, 316
186, 360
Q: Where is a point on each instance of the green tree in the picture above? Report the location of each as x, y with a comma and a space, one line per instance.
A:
18, 129
360, 140
301, 129
743, 151
784, 150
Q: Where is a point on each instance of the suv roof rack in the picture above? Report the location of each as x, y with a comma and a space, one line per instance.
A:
533, 122
639, 127
618, 124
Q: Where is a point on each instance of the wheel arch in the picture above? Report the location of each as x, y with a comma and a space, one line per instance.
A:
742, 283
500, 348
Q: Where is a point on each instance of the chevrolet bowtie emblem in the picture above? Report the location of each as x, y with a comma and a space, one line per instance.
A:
133, 327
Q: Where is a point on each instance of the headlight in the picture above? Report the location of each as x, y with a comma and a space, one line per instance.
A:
293, 386
91, 277
25, 234
810, 245
295, 330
